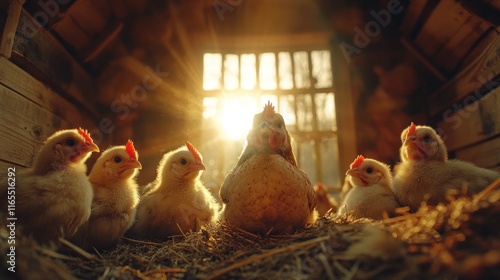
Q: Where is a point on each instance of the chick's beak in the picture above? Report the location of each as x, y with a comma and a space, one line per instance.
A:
89, 147
353, 172
198, 166
410, 140
134, 164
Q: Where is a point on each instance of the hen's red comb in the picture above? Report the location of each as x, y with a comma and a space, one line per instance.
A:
85, 134
411, 130
130, 149
268, 109
357, 162
193, 151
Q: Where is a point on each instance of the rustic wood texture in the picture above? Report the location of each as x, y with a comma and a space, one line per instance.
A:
472, 78
41, 55
24, 126
486, 154
473, 124
8, 31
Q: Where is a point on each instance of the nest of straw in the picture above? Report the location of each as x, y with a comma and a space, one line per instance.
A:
460, 239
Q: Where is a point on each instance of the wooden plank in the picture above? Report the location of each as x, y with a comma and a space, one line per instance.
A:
16, 79
39, 53
412, 15
71, 33
485, 154
5, 165
472, 78
24, 126
474, 123
433, 36
454, 51
9, 29
88, 17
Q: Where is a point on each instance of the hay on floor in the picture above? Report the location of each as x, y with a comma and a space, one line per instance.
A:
458, 239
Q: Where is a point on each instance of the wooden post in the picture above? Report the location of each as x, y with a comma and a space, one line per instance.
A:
8, 31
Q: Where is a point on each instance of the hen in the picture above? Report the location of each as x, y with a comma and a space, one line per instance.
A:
54, 196
115, 198
177, 202
371, 195
425, 173
325, 201
266, 192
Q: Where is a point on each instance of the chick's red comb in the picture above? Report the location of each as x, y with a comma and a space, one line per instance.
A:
130, 149
357, 162
268, 109
193, 151
411, 130
85, 134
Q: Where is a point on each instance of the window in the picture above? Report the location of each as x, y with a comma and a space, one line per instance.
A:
298, 83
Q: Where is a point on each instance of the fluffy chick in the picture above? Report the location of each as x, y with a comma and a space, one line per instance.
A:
266, 192
178, 202
54, 196
425, 173
115, 198
371, 195
325, 201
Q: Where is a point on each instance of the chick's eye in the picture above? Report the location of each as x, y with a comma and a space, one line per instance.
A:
369, 170
70, 142
427, 139
184, 161
117, 159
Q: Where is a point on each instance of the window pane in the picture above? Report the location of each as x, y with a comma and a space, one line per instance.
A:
307, 160
231, 65
212, 65
325, 105
301, 64
321, 69
267, 71
209, 107
285, 70
248, 71
287, 111
330, 162
304, 112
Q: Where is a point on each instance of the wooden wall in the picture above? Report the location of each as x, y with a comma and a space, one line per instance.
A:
42, 89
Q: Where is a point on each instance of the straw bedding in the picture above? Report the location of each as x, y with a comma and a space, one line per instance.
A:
457, 240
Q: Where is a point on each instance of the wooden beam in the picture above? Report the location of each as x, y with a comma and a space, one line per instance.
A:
9, 29
16, 79
41, 55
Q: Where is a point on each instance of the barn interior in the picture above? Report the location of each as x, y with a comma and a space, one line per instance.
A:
348, 76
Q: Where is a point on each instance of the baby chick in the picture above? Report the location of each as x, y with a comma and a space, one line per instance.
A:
178, 202
425, 173
115, 198
371, 195
54, 196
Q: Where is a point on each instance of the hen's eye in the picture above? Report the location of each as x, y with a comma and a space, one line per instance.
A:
263, 124
184, 161
280, 125
70, 142
117, 159
369, 170
427, 139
